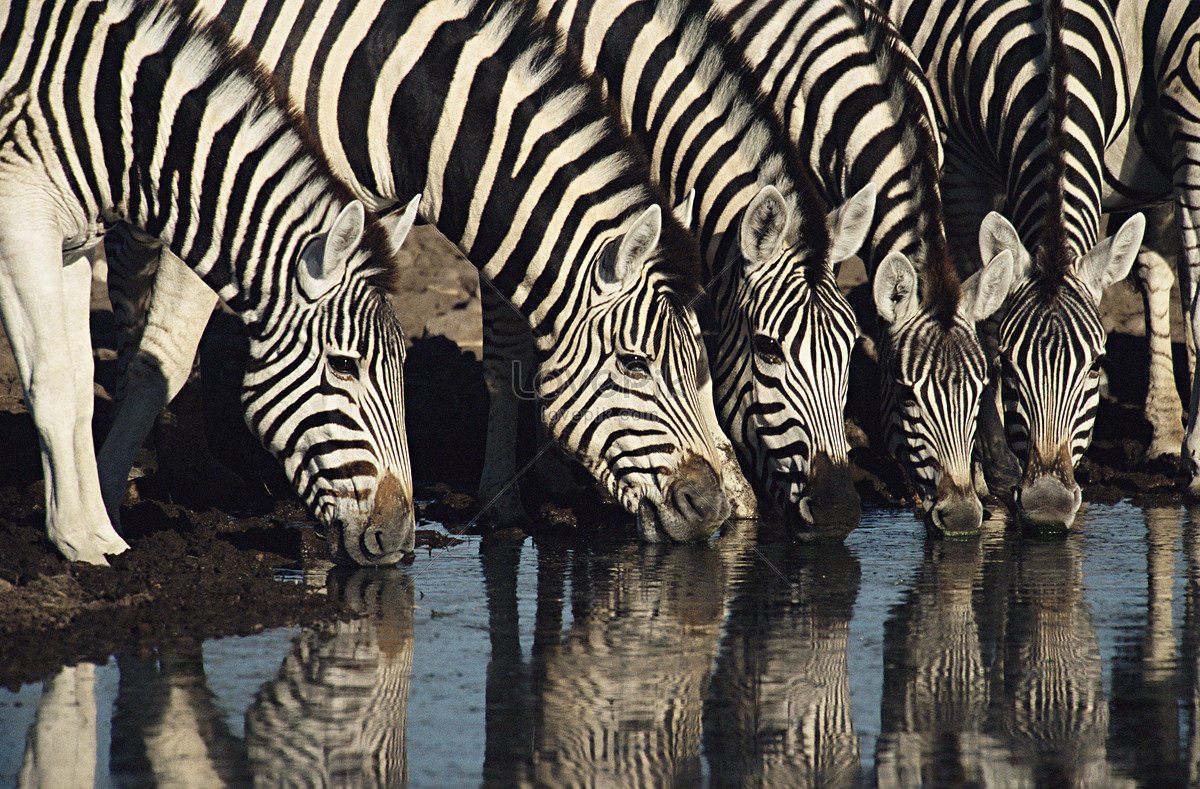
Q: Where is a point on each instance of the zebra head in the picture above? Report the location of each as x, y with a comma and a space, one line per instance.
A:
323, 389
934, 373
620, 391
1051, 344
783, 370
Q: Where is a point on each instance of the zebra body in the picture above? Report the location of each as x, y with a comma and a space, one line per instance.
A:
1029, 95
781, 367
853, 97
1160, 42
547, 198
122, 111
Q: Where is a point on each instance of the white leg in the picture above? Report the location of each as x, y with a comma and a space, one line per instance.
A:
179, 311
1164, 409
45, 306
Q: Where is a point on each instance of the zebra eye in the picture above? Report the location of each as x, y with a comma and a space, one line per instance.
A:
768, 348
905, 396
343, 366
1094, 371
633, 365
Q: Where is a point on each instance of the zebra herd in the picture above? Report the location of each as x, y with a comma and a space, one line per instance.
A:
608, 166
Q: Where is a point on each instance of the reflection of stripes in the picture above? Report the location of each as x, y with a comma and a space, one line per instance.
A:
786, 332
335, 714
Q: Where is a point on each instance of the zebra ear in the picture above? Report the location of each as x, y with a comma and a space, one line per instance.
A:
764, 223
398, 223
895, 289
1111, 259
635, 248
849, 224
683, 211
323, 261
996, 235
984, 291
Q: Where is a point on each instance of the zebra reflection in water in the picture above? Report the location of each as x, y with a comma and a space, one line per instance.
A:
778, 712
337, 711
334, 716
616, 698
992, 670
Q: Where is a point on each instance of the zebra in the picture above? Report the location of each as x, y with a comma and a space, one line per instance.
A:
1029, 95
549, 198
785, 330
188, 142
1143, 171
854, 99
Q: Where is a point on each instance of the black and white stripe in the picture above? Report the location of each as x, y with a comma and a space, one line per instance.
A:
781, 368
853, 97
1029, 95
523, 166
122, 111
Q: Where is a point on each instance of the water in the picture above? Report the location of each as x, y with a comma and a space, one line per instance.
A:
891, 661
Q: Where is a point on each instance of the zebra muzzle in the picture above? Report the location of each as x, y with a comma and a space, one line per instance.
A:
693, 507
831, 507
385, 536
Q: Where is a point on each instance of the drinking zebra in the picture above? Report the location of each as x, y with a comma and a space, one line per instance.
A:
122, 111
524, 168
1029, 96
785, 331
1155, 159
853, 97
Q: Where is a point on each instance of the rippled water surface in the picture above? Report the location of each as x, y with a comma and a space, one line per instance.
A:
891, 661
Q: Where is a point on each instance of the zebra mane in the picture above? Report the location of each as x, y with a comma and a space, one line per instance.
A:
382, 271
1053, 259
942, 289
811, 206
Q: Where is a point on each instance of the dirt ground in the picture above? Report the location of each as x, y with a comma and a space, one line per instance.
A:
211, 523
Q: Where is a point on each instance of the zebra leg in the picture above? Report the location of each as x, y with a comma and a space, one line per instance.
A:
506, 362
178, 312
44, 300
1154, 276
1189, 262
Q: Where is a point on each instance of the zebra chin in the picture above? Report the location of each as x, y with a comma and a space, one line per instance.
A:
383, 536
830, 508
690, 509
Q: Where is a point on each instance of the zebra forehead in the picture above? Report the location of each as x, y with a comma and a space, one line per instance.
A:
930, 349
1062, 315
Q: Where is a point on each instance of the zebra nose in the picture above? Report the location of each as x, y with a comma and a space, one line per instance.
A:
832, 508
1048, 502
959, 517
